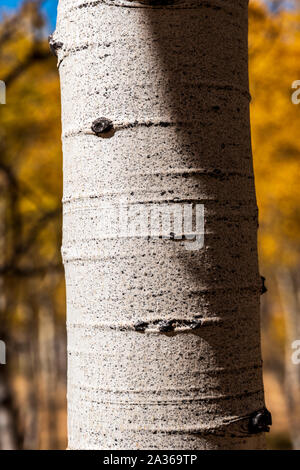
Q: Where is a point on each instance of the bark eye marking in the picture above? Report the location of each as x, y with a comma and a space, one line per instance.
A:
166, 326
260, 421
157, 2
140, 326
194, 325
173, 326
263, 286
54, 45
103, 127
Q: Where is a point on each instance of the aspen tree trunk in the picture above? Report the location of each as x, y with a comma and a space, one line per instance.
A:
163, 341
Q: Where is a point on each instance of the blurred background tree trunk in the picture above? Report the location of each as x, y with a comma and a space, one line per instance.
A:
289, 290
9, 436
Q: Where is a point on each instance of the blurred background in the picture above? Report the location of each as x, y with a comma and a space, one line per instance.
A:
32, 296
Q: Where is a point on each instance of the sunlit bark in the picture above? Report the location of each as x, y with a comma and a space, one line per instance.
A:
164, 342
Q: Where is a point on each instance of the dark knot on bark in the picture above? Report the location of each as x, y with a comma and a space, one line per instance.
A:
263, 286
140, 326
102, 125
54, 45
260, 421
166, 326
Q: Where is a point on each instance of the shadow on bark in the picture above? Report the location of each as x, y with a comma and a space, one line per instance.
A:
203, 55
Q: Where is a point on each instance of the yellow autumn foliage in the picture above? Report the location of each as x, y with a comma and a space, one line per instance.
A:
274, 43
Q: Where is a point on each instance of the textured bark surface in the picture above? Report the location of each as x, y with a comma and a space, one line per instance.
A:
173, 78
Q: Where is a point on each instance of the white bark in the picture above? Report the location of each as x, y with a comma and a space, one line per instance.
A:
173, 78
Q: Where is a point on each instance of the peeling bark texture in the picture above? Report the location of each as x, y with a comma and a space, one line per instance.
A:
163, 342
